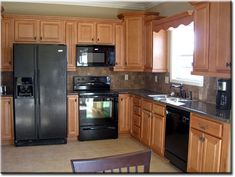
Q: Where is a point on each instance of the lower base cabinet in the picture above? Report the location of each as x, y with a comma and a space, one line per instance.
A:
7, 135
73, 127
208, 145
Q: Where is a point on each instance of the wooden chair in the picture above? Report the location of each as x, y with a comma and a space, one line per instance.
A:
114, 164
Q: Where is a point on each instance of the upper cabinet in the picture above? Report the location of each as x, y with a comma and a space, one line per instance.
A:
156, 49
95, 33
212, 54
140, 44
33, 30
6, 44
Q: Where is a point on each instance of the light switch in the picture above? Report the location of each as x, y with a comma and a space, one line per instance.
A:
156, 78
126, 77
166, 79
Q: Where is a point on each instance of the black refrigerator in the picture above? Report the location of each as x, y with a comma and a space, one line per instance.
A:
40, 103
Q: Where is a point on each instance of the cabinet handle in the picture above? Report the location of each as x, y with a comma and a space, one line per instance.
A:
10, 62
228, 65
75, 100
35, 38
125, 63
201, 138
41, 38
9, 102
92, 39
203, 127
116, 63
121, 99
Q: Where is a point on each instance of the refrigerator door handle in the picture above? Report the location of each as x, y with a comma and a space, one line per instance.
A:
38, 73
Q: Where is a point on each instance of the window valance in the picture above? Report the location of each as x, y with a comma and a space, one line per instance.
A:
184, 18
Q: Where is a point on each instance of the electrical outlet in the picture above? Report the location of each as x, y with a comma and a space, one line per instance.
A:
156, 78
126, 77
166, 79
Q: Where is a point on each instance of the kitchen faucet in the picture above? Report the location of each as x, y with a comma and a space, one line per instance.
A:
182, 92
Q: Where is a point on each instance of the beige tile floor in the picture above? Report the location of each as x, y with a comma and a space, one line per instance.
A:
56, 158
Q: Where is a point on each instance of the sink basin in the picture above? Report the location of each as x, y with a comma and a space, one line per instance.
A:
159, 95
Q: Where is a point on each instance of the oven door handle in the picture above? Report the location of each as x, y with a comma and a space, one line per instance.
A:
97, 128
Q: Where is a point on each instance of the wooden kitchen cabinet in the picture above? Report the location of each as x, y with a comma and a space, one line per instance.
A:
70, 34
136, 117
95, 33
156, 49
212, 56
36, 30
119, 47
124, 113
208, 145
6, 44
158, 126
7, 135
73, 117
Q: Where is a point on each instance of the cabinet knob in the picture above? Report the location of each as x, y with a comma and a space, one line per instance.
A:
228, 65
75, 100
125, 63
98, 39
92, 39
116, 63
121, 99
10, 62
35, 38
41, 38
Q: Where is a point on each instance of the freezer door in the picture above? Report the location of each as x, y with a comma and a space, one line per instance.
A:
24, 103
51, 73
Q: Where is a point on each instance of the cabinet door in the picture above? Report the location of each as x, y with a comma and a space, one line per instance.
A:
146, 127
119, 47
195, 151
158, 134
86, 32
149, 47
71, 32
7, 120
201, 48
6, 45
211, 154
26, 30
159, 51
52, 31
73, 116
134, 43
124, 113
105, 33
221, 26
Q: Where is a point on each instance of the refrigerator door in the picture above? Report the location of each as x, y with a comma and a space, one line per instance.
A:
51, 73
24, 92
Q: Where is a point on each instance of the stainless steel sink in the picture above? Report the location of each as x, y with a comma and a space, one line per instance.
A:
168, 99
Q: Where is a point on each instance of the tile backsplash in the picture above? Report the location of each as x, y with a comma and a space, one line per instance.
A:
136, 80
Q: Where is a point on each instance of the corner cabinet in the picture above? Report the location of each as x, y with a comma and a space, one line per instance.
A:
7, 135
6, 44
35, 30
72, 114
95, 33
212, 56
208, 145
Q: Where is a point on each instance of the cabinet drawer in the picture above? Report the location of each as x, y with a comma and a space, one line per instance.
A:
136, 101
137, 110
136, 120
158, 109
147, 105
206, 126
136, 132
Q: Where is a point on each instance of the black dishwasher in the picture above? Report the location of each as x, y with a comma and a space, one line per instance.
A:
177, 136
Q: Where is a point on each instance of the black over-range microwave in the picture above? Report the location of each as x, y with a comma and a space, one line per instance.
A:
95, 55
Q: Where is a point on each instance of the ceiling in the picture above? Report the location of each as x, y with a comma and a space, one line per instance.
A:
120, 4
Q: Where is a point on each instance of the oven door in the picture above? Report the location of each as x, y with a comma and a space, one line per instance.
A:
98, 110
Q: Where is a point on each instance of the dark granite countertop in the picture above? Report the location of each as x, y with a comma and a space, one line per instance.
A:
195, 106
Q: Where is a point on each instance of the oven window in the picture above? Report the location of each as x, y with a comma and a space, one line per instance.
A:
92, 109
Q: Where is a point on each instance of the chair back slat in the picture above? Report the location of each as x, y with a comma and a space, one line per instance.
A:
135, 159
